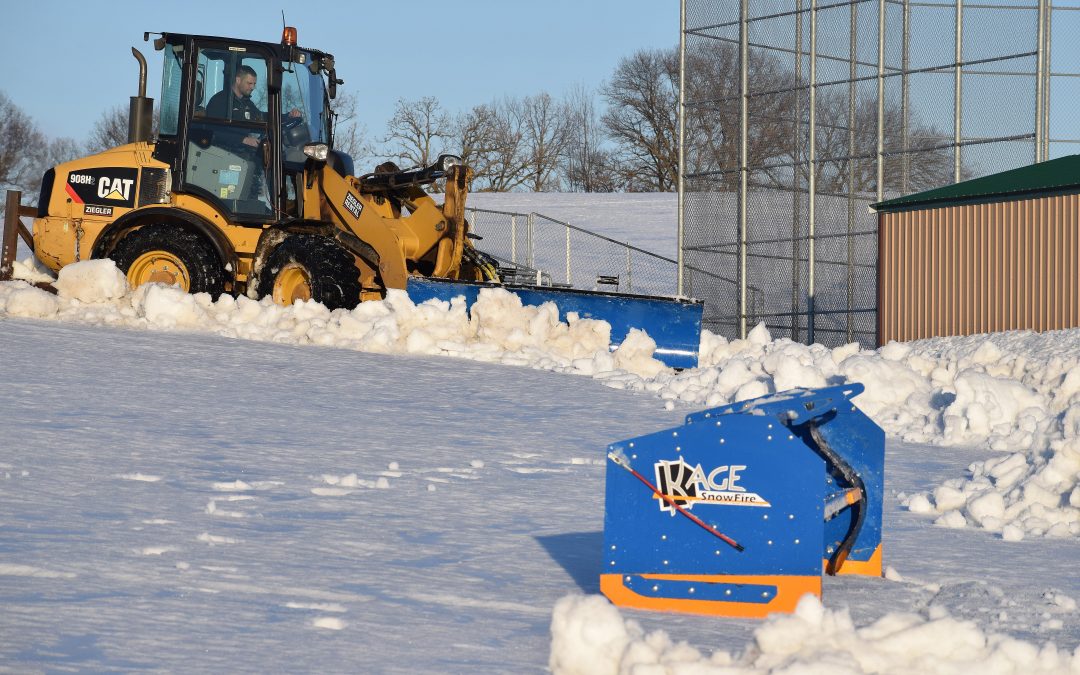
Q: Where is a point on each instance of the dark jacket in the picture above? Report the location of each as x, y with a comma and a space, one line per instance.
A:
242, 108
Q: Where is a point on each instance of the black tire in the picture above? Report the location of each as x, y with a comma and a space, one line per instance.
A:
205, 271
330, 270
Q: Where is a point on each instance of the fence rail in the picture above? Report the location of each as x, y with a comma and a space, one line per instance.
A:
535, 248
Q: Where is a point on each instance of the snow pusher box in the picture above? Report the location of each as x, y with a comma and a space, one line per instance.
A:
739, 511
240, 190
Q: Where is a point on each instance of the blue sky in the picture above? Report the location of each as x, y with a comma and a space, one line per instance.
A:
69, 61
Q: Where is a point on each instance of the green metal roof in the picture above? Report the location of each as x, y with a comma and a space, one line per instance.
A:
1060, 175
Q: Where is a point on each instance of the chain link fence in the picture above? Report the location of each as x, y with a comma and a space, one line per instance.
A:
533, 248
799, 114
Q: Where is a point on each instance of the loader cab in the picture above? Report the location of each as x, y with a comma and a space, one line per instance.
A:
235, 115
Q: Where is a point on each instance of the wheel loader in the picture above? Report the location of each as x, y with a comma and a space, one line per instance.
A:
241, 191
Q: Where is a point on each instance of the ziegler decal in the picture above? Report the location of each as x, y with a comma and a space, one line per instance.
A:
107, 186
353, 205
689, 485
92, 210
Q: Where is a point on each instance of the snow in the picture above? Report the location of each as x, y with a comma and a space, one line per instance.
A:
589, 637
189, 484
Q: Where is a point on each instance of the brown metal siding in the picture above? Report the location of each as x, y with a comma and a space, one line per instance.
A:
979, 268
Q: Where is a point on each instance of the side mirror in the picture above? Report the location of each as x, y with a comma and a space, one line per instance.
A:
333, 83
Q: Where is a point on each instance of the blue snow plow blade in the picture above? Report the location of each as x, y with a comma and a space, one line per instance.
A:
675, 325
739, 511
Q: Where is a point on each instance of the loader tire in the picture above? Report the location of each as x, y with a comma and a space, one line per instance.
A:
310, 267
172, 255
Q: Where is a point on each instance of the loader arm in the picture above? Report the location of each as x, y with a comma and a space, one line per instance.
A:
347, 209
452, 247
399, 238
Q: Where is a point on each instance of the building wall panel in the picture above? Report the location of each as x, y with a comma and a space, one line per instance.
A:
979, 268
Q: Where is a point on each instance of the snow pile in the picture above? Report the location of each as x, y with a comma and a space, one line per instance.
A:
1014, 393
590, 637
500, 329
1017, 393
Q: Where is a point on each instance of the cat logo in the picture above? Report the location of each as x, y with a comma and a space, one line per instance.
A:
115, 188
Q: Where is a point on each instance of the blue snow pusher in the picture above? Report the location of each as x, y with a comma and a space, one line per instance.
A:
738, 511
674, 324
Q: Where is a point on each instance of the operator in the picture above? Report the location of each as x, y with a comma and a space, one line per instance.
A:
243, 108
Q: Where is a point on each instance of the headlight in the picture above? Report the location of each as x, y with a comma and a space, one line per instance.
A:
449, 161
317, 151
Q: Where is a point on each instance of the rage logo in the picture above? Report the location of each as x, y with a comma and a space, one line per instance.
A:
688, 485
106, 186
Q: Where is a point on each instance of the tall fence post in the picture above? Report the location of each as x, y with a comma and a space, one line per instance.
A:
1040, 65
881, 101
630, 274
905, 66
853, 21
796, 181
811, 288
681, 187
1047, 72
958, 93
744, 151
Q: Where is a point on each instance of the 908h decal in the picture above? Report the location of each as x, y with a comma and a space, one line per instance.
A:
106, 187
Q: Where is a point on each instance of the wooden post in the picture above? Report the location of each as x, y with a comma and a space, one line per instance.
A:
11, 232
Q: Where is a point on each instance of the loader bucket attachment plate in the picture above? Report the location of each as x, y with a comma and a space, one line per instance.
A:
793, 479
675, 325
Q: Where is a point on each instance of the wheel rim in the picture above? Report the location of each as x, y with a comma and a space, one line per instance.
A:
291, 284
161, 267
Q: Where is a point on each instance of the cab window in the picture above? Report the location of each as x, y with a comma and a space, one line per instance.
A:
304, 116
228, 129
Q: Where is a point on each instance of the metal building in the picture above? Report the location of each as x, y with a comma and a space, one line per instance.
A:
996, 253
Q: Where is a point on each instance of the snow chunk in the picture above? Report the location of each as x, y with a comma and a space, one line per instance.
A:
329, 623
589, 636
28, 301
92, 281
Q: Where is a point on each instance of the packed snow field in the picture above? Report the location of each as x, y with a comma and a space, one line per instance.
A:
1010, 402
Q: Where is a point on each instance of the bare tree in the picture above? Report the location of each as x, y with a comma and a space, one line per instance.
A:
508, 169
20, 145
588, 164
641, 118
489, 141
779, 130
545, 132
110, 130
350, 136
417, 131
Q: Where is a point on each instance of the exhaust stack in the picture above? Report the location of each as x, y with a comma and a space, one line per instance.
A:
141, 111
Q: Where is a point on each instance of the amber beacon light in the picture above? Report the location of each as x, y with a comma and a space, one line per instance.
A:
288, 36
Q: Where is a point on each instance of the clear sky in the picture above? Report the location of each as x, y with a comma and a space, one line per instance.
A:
69, 61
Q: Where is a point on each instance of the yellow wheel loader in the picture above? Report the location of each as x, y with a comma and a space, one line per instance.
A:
242, 192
